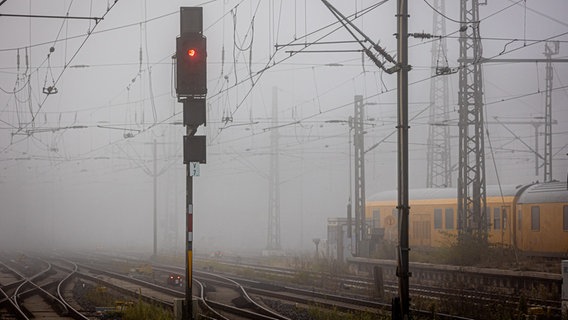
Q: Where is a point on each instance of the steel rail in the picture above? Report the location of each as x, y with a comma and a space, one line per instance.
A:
75, 313
30, 280
204, 304
245, 294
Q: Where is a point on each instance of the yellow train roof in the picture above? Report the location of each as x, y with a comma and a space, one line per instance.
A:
556, 191
444, 193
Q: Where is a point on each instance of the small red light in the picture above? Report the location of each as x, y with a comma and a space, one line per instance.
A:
191, 52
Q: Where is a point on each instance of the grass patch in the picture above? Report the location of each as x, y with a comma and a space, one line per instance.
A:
325, 314
146, 311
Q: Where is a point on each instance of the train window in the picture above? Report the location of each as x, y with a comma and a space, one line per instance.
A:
449, 218
377, 217
565, 218
496, 218
437, 218
535, 218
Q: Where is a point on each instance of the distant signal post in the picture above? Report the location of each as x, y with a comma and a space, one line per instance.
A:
191, 90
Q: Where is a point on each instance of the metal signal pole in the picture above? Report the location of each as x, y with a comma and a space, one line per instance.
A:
191, 89
188, 312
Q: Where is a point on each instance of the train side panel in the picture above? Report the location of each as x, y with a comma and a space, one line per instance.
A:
543, 228
531, 218
500, 220
431, 221
542, 219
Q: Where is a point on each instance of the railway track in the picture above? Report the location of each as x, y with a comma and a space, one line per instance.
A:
47, 290
230, 299
128, 286
38, 293
424, 296
278, 295
286, 299
42, 288
219, 297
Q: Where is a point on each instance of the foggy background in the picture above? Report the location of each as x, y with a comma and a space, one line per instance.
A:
76, 167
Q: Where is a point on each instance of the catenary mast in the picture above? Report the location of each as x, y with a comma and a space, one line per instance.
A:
438, 171
273, 237
471, 179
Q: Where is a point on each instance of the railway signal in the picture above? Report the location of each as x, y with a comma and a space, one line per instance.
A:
191, 65
191, 90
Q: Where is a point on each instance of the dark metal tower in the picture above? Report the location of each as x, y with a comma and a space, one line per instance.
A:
438, 171
551, 48
471, 180
273, 240
359, 144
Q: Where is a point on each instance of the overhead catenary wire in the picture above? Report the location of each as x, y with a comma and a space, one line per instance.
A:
300, 119
94, 32
148, 67
40, 106
274, 63
25, 124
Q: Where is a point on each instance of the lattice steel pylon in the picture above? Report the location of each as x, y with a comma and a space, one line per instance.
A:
359, 147
551, 48
273, 238
438, 170
472, 220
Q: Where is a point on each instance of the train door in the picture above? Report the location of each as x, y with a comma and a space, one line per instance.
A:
507, 226
421, 230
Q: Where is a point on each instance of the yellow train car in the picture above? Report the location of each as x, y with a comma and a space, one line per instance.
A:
542, 219
433, 216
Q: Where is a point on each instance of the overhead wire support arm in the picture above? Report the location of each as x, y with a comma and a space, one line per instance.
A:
321, 51
278, 46
343, 20
97, 19
422, 35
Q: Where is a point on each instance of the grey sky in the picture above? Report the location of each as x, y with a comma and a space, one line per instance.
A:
74, 173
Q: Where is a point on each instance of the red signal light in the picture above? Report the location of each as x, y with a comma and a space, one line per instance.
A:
191, 64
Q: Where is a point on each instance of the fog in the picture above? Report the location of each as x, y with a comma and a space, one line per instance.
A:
77, 166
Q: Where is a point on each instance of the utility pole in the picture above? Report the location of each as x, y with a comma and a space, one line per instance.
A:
155, 183
472, 213
155, 174
401, 304
273, 237
359, 143
350, 198
438, 164
551, 48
